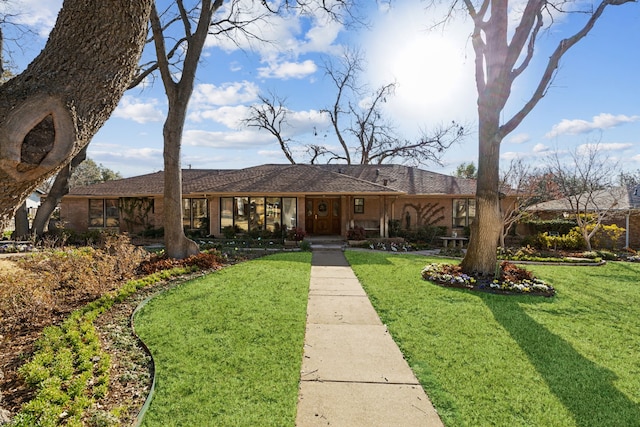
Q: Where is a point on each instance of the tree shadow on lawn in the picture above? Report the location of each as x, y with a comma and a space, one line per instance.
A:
586, 389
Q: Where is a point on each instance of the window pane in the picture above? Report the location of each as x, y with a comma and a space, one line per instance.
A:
186, 213
199, 214
256, 219
226, 212
96, 213
241, 213
459, 212
358, 205
112, 213
274, 213
472, 210
336, 208
289, 212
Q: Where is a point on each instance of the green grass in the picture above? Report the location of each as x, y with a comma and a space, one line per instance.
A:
570, 360
228, 346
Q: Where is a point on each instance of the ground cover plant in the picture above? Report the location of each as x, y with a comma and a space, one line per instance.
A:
228, 346
516, 360
68, 372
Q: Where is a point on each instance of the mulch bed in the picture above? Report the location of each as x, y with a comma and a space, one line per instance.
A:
130, 371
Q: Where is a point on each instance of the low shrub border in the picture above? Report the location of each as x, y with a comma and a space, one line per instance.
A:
68, 369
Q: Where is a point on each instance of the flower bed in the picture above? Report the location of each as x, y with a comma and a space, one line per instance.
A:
513, 280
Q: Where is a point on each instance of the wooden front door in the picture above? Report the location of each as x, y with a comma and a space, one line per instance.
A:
323, 216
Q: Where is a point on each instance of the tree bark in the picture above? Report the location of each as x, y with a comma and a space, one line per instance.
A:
51, 111
59, 189
481, 256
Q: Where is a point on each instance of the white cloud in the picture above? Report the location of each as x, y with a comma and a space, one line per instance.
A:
235, 140
302, 122
281, 34
232, 93
541, 148
38, 14
599, 122
231, 117
510, 155
520, 138
288, 70
612, 146
140, 112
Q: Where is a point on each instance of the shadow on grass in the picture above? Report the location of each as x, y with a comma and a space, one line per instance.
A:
586, 389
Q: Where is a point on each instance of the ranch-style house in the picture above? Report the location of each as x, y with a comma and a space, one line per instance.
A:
320, 199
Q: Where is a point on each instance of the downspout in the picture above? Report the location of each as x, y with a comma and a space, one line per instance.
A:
626, 245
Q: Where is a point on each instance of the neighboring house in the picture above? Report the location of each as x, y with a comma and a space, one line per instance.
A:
623, 203
32, 202
321, 199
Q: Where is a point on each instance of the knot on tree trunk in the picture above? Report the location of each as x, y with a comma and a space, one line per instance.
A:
37, 137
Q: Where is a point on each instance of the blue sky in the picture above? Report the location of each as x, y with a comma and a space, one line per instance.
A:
595, 97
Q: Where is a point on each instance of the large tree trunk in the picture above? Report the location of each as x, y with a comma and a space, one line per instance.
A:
58, 190
486, 228
176, 243
51, 111
178, 94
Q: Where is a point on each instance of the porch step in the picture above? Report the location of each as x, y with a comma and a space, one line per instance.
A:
323, 243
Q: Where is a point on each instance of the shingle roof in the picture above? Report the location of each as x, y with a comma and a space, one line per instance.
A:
408, 179
283, 179
620, 198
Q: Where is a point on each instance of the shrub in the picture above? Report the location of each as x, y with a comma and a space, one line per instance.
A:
296, 234
607, 236
356, 233
229, 232
425, 234
559, 226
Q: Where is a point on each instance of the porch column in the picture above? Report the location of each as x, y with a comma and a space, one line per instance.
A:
382, 213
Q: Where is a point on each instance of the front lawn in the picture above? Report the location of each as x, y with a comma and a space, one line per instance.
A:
228, 346
484, 359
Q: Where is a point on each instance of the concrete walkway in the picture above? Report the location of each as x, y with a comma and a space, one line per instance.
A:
353, 374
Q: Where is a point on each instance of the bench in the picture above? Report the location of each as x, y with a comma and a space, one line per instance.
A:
370, 226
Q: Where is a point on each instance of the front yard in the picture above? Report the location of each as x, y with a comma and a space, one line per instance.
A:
228, 345
484, 359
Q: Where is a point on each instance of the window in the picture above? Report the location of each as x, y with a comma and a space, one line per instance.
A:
104, 213
194, 214
256, 219
258, 213
274, 214
358, 205
226, 212
464, 211
241, 213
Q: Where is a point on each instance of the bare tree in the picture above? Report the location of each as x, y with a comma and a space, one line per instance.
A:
50, 112
522, 183
196, 22
586, 182
502, 54
364, 135
271, 115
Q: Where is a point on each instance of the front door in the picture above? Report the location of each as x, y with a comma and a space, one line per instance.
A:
323, 216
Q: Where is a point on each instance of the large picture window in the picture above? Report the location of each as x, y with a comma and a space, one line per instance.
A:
258, 213
464, 211
194, 214
104, 213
